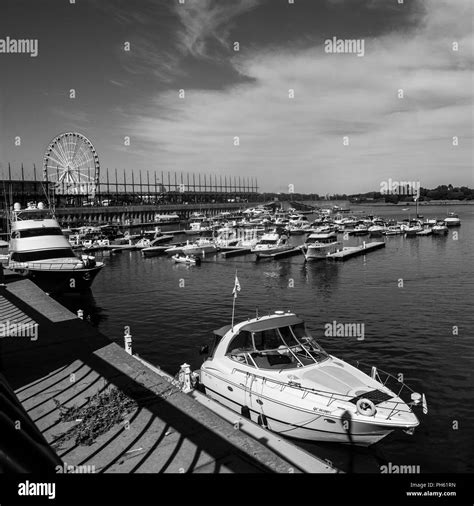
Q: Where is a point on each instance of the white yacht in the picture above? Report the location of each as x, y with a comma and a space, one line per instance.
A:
440, 228
39, 250
452, 220
270, 244
319, 245
272, 370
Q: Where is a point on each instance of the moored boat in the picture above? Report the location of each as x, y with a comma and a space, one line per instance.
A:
320, 245
452, 220
39, 250
273, 371
440, 228
270, 244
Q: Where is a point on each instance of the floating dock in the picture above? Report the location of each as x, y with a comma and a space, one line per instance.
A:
352, 251
234, 252
283, 254
167, 430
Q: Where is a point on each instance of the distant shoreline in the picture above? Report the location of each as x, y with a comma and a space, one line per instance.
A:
328, 203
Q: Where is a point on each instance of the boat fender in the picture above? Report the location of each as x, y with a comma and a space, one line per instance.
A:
365, 407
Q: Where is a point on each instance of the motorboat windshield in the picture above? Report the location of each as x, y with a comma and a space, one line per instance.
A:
284, 347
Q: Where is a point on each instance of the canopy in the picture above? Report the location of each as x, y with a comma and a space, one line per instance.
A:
272, 323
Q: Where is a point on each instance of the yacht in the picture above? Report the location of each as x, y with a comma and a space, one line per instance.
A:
452, 220
440, 228
39, 250
199, 247
271, 243
271, 370
319, 245
393, 230
413, 228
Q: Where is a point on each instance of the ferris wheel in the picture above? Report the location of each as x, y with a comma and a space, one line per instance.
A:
71, 163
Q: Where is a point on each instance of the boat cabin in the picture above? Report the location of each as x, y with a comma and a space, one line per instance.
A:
277, 342
321, 238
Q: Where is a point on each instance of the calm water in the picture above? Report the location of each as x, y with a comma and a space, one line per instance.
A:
172, 309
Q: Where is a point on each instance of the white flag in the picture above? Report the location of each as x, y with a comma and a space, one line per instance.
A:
236, 286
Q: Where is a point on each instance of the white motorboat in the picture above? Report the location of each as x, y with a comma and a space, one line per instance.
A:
39, 250
319, 245
376, 230
413, 228
426, 231
270, 244
272, 370
440, 228
393, 230
199, 247
186, 259
452, 220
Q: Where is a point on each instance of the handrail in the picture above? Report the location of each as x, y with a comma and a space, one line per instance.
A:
332, 396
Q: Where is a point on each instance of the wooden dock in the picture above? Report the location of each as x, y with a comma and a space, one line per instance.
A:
352, 251
284, 254
167, 430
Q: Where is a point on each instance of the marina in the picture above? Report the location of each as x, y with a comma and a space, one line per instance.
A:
233, 243
344, 281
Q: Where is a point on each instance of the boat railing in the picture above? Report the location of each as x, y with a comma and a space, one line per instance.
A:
45, 266
394, 406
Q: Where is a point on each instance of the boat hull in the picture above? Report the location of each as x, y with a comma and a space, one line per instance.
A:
320, 253
62, 280
291, 421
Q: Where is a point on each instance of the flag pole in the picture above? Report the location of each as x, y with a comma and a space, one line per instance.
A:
233, 302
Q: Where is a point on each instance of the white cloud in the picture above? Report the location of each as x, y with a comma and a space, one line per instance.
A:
207, 19
299, 140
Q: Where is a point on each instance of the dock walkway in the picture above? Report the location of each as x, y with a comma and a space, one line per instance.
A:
168, 431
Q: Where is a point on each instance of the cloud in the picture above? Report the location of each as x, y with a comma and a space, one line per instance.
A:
208, 19
300, 140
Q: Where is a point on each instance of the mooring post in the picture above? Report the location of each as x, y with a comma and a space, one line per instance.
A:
185, 378
128, 340
80, 314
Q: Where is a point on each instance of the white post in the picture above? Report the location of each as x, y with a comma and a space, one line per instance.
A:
80, 314
185, 378
363, 244
128, 341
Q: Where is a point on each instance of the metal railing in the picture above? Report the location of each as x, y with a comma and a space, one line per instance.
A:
394, 406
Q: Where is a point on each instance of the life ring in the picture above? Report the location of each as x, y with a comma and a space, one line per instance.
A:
365, 407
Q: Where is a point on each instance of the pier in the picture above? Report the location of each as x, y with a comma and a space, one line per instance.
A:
352, 251
70, 362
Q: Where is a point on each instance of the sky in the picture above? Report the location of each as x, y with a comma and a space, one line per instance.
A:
346, 129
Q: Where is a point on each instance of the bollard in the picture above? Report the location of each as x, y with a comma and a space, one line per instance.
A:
80, 314
185, 378
364, 244
128, 340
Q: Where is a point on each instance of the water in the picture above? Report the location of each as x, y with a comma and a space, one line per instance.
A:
172, 309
